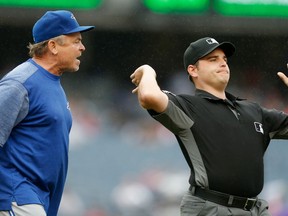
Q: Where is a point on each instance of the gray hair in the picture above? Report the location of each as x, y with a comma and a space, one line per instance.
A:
39, 49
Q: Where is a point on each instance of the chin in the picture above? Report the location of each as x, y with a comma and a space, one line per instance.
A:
71, 70
76, 69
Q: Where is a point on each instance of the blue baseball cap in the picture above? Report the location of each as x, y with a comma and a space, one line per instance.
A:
56, 23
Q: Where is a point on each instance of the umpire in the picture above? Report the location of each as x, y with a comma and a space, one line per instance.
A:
222, 137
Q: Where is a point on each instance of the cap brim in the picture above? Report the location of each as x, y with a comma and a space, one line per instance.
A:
81, 29
227, 47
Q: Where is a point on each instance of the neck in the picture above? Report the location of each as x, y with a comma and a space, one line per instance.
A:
47, 64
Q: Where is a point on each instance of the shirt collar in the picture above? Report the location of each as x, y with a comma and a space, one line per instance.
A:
207, 95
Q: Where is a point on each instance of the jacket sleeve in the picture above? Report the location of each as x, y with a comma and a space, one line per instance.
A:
277, 123
173, 118
13, 107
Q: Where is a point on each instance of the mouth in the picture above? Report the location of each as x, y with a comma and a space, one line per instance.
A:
223, 71
78, 61
78, 58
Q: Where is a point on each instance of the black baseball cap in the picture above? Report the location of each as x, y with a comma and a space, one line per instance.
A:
203, 47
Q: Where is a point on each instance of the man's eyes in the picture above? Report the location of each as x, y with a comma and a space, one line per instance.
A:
215, 59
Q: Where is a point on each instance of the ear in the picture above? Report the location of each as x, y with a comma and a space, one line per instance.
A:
192, 71
52, 46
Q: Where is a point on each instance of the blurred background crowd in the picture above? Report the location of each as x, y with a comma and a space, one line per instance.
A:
122, 162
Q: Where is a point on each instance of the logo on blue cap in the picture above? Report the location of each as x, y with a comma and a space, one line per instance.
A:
56, 23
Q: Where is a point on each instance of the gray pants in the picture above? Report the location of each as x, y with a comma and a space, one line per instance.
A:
24, 210
195, 206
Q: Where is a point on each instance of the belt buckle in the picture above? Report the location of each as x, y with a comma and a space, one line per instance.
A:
248, 200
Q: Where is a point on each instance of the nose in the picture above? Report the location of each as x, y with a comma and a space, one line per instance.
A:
82, 47
224, 62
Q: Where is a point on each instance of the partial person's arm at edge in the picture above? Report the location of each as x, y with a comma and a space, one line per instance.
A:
150, 96
283, 77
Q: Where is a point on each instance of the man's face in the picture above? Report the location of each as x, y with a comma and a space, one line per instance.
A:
212, 70
69, 52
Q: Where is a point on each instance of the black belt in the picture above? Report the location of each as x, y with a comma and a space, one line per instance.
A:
224, 199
